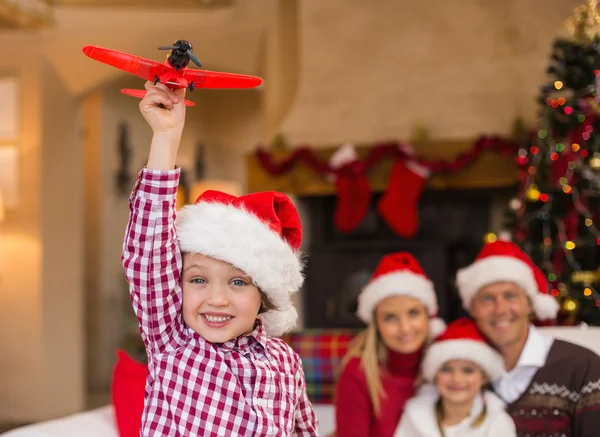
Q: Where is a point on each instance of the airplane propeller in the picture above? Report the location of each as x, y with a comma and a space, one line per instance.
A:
183, 46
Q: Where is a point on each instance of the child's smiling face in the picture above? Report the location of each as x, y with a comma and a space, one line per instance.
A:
220, 302
459, 381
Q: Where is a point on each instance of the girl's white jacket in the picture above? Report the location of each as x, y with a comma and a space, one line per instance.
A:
418, 419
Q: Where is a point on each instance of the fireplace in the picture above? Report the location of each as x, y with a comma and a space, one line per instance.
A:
339, 265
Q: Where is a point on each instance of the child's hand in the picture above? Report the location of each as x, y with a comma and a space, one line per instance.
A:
163, 108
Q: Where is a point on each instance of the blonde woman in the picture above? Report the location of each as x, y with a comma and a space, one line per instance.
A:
459, 364
379, 372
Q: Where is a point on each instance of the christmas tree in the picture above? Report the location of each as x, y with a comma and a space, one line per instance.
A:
555, 217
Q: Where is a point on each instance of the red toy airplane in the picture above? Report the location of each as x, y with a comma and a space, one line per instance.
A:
174, 72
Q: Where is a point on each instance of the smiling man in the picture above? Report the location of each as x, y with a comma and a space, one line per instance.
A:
551, 387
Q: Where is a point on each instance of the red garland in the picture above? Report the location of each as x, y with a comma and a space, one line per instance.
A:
398, 206
387, 150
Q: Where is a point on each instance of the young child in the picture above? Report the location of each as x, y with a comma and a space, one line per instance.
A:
460, 364
209, 289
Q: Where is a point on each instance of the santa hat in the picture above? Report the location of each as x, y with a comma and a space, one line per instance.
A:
400, 274
504, 261
462, 341
260, 234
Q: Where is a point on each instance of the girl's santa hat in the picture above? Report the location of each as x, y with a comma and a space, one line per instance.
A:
400, 274
462, 341
504, 261
260, 234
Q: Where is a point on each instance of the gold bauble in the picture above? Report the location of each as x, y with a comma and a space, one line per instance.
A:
279, 142
420, 134
515, 204
490, 237
533, 193
594, 161
569, 305
586, 277
584, 24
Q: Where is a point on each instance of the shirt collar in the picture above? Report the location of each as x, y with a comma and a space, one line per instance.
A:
244, 342
536, 349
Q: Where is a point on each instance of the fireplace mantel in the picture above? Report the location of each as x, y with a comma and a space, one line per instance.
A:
491, 170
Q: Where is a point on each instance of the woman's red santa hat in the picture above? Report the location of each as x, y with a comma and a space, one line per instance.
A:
462, 341
400, 274
504, 261
260, 234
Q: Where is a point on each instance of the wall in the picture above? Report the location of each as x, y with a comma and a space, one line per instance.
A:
230, 122
62, 235
463, 68
40, 271
20, 258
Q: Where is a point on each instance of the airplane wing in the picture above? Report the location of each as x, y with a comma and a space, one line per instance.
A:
141, 67
214, 79
142, 93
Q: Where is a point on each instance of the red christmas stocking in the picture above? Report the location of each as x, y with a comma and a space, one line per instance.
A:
352, 187
398, 205
353, 198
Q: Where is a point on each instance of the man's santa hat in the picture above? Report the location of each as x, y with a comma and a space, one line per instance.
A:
462, 341
504, 261
260, 234
400, 274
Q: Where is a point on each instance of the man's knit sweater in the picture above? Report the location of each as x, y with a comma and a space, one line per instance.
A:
563, 399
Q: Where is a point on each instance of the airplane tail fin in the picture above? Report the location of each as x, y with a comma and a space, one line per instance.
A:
141, 93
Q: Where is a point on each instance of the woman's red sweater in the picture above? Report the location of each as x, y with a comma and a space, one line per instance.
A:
355, 416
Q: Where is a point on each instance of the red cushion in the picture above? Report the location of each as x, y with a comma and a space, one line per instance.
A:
128, 387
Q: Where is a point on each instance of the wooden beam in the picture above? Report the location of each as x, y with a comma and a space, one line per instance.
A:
32, 14
491, 170
171, 4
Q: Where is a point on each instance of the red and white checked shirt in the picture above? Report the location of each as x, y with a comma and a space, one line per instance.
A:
250, 386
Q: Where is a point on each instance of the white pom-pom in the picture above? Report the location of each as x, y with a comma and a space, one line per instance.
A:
545, 306
504, 235
277, 322
342, 156
436, 327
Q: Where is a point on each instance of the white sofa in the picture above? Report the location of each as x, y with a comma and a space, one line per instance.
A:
100, 422
93, 423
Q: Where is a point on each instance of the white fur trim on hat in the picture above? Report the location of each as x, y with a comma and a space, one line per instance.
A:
470, 350
545, 305
402, 283
494, 269
436, 327
231, 234
417, 168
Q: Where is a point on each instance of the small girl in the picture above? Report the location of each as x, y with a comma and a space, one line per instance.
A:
459, 363
210, 288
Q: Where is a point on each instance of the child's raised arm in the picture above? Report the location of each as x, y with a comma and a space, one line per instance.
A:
151, 256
